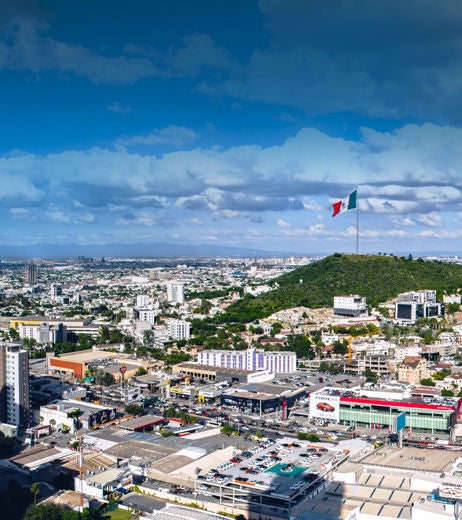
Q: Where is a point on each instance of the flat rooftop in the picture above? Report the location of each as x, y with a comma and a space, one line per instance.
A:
84, 356
412, 459
138, 423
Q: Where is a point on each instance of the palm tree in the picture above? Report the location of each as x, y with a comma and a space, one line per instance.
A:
35, 490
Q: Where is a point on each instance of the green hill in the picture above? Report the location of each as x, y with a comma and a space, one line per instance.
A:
378, 278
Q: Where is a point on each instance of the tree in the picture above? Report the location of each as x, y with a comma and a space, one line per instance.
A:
371, 377
340, 348
104, 378
134, 409
103, 335
228, 430
148, 338
35, 490
447, 393
45, 512
141, 372
427, 381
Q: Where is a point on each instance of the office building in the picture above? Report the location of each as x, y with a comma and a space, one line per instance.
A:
175, 293
352, 305
14, 385
413, 305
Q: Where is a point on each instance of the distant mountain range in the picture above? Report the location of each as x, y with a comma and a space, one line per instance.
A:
145, 250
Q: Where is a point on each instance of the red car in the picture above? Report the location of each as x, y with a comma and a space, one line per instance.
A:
325, 407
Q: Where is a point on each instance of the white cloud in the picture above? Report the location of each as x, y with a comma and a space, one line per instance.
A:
171, 135
291, 184
119, 108
283, 224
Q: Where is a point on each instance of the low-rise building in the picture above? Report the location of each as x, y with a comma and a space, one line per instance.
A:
353, 305
412, 370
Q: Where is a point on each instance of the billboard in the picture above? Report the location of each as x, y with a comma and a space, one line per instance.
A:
132, 395
101, 417
400, 422
324, 406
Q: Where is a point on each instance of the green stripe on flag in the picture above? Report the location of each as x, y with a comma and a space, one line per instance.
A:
352, 200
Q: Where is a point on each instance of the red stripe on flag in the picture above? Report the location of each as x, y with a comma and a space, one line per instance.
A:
337, 206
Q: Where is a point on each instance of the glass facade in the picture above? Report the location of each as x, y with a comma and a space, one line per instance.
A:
373, 415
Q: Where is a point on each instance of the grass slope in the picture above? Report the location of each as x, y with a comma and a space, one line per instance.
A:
378, 278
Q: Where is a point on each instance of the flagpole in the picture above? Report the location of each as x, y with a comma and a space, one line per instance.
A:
357, 223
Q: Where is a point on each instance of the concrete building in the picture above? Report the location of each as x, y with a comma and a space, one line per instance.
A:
14, 385
413, 305
61, 413
412, 370
44, 333
175, 293
30, 274
147, 315
352, 305
76, 364
250, 359
178, 329
143, 300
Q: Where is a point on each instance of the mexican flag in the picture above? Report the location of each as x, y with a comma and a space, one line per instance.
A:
345, 204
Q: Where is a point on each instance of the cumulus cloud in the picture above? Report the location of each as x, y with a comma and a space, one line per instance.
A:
286, 188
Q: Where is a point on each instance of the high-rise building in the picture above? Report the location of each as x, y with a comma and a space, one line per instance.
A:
30, 274
178, 329
14, 385
175, 292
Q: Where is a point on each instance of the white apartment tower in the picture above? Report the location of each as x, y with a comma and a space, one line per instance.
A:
178, 329
175, 292
14, 385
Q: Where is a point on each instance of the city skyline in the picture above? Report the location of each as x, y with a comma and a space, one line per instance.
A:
231, 125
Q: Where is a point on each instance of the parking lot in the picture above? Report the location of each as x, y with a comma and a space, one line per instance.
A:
282, 467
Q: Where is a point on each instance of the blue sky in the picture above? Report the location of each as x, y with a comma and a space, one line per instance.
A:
232, 123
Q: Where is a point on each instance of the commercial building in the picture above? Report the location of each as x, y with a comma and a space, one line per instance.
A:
345, 407
352, 305
263, 398
75, 414
14, 385
75, 364
413, 305
250, 359
219, 374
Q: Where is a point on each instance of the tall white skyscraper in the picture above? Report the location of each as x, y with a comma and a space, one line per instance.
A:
14, 385
175, 292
